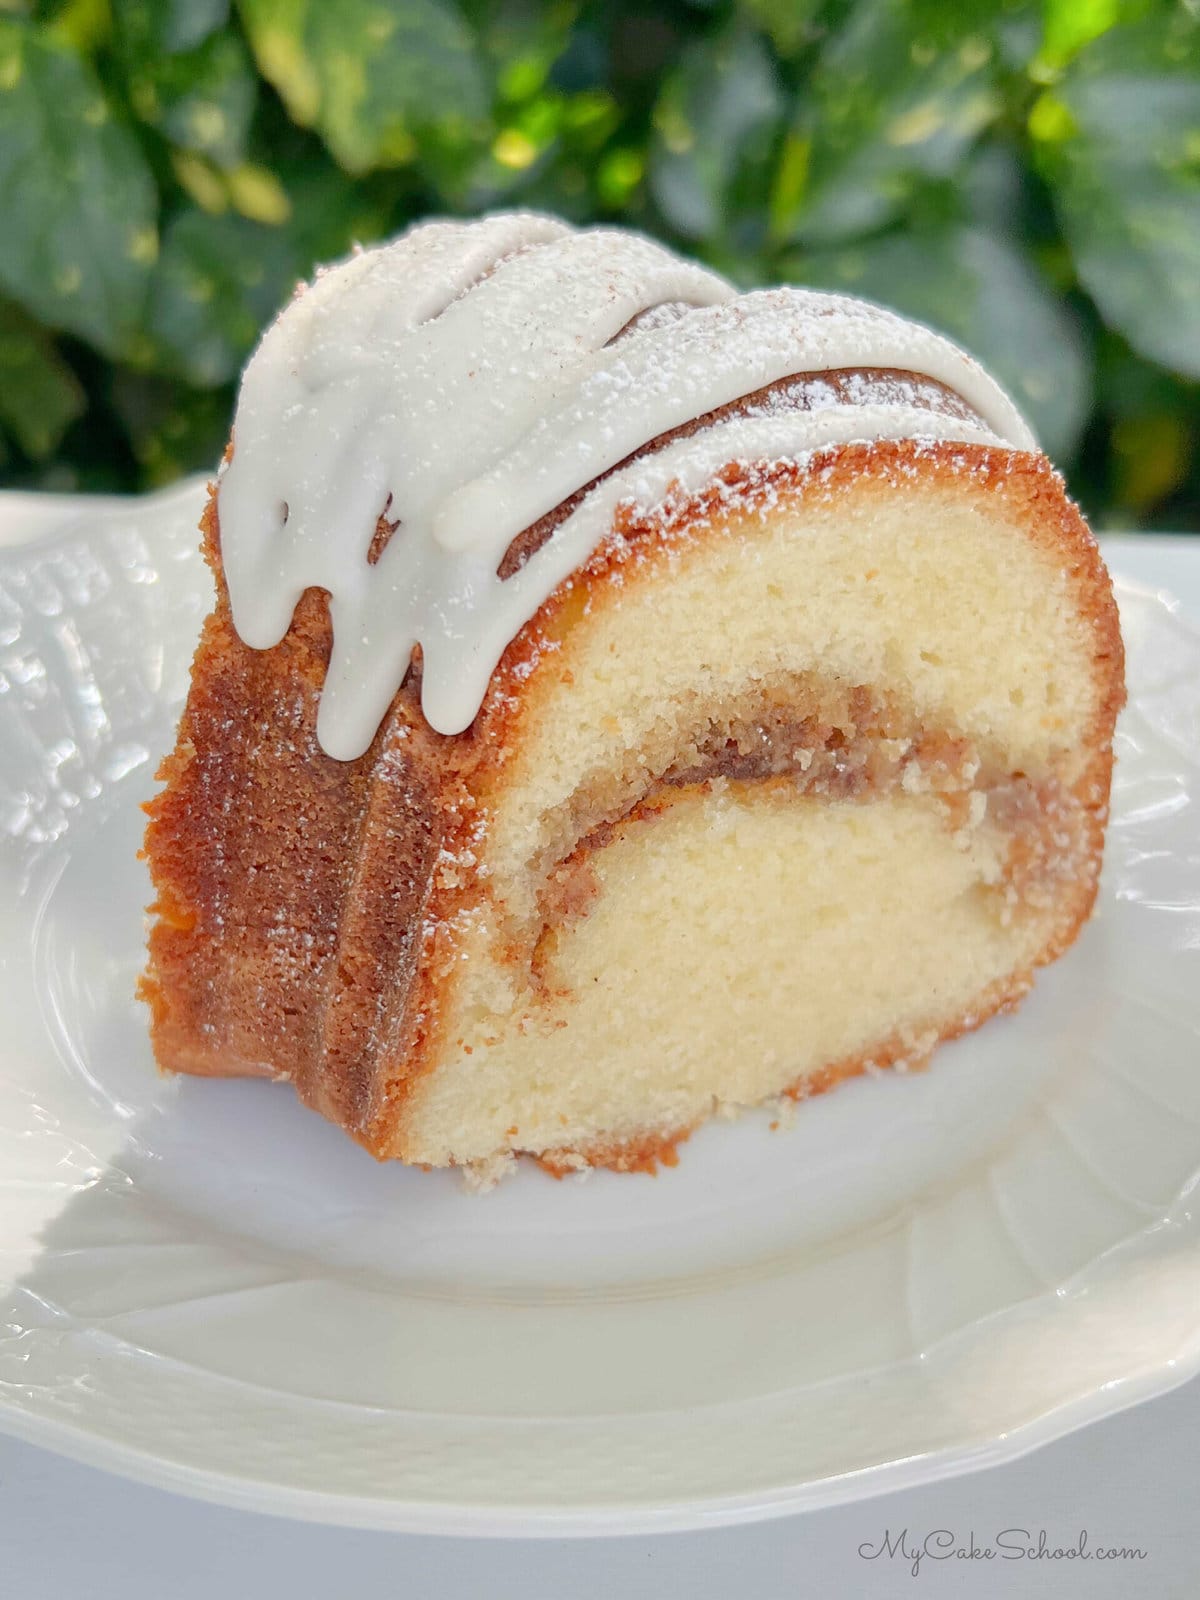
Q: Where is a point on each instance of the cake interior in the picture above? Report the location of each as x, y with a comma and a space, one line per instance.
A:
822, 793
802, 774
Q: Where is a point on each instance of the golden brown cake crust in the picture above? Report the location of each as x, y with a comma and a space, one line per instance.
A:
305, 908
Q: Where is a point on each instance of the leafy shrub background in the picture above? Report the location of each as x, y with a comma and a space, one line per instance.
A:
1025, 176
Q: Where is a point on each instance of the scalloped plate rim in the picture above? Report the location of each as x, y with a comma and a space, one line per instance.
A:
450, 1520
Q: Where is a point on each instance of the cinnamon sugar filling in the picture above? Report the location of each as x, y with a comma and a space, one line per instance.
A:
857, 747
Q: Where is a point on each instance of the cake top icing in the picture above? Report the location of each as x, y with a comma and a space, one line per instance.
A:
467, 379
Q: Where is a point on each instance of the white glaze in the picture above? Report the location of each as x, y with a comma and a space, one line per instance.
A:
466, 373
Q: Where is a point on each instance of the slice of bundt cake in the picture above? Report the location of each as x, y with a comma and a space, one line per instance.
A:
624, 699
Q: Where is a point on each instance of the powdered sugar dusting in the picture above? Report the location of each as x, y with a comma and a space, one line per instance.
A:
473, 377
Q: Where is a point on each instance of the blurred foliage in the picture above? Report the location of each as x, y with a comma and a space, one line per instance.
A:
1025, 176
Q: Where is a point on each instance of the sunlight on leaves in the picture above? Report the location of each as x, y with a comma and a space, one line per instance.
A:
76, 192
1023, 173
896, 97
1126, 182
218, 281
201, 97
716, 115
370, 75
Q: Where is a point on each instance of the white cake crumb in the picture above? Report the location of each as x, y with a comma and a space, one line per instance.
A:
480, 1176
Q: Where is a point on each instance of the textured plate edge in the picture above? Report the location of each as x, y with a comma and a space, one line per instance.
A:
439, 1519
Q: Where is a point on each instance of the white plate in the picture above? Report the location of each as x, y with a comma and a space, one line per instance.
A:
208, 1288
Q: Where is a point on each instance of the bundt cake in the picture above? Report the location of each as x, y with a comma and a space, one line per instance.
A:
626, 699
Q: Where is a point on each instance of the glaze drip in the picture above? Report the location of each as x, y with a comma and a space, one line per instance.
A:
471, 377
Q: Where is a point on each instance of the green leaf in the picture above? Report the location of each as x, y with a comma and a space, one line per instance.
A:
976, 287
172, 429
1119, 143
1155, 425
39, 394
330, 215
1070, 24
717, 114
84, 25
372, 76
219, 280
201, 98
78, 202
171, 27
899, 95
789, 24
